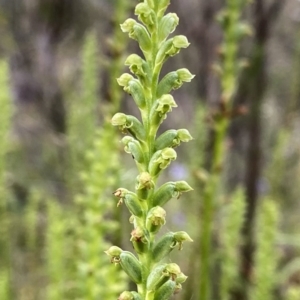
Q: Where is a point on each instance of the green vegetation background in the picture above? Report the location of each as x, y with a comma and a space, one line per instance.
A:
57, 212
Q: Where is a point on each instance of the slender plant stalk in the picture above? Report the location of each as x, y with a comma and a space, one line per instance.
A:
228, 69
4, 217
155, 279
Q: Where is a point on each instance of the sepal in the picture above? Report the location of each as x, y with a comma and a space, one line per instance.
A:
180, 237
181, 278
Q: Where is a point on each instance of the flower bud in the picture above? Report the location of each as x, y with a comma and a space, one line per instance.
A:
128, 25
156, 218
167, 25
126, 296
173, 81
129, 123
185, 75
137, 32
114, 251
144, 185
180, 41
184, 135
124, 79
119, 119
181, 278
172, 138
139, 240
180, 237
165, 291
182, 187
172, 271
131, 266
161, 160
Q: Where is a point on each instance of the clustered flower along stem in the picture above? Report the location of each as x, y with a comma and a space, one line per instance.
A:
228, 70
155, 279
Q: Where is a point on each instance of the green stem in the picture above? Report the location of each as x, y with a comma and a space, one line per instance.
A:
228, 79
209, 200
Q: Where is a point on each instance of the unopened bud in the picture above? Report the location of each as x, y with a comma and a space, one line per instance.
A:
126, 296
156, 218
139, 240
144, 185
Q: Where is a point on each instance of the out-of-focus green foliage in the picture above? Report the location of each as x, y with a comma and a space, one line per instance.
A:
60, 251
293, 293
6, 112
266, 255
234, 29
230, 231
94, 225
83, 108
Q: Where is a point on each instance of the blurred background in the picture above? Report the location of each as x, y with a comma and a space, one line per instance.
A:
61, 160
